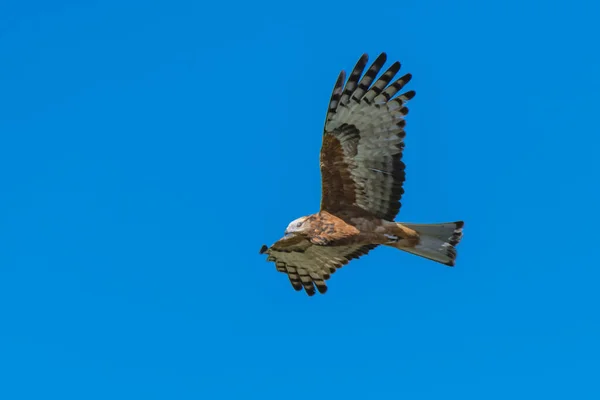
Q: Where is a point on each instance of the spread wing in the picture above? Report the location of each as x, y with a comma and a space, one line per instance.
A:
363, 141
308, 265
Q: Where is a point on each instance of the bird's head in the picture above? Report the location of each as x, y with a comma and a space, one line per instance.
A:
297, 226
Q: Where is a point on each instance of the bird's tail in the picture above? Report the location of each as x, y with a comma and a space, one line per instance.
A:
436, 241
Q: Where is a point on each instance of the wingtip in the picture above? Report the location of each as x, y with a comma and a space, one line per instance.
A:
322, 288
451, 263
382, 57
410, 95
263, 249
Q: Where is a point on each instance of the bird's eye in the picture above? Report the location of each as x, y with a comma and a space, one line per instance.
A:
299, 224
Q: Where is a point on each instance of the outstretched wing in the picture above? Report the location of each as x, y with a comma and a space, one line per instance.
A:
363, 141
308, 265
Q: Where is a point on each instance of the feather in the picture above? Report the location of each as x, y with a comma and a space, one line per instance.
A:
363, 141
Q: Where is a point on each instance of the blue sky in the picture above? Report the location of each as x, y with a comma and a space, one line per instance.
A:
149, 149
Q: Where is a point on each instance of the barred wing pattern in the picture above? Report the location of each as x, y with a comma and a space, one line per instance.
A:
363, 141
312, 265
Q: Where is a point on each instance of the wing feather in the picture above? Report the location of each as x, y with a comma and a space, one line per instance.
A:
352, 83
312, 266
336, 94
363, 141
369, 77
382, 82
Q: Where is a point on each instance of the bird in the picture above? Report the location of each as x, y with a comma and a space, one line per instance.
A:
362, 178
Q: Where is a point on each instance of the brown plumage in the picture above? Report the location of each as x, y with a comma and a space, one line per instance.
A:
362, 174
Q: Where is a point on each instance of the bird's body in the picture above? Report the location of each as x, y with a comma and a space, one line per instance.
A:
326, 229
362, 177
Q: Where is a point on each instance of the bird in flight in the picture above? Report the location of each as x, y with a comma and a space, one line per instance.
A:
361, 182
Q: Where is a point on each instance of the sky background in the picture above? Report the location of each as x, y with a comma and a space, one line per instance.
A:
148, 150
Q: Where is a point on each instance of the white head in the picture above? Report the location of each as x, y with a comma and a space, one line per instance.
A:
296, 226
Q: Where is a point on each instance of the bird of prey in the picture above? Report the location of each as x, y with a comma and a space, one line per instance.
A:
361, 181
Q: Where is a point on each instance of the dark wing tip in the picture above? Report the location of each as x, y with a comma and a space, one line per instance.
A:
457, 234
341, 78
263, 249
409, 95
381, 58
322, 288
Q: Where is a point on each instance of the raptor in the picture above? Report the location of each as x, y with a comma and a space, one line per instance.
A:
362, 175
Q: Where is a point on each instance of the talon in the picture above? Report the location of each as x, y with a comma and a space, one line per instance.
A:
263, 249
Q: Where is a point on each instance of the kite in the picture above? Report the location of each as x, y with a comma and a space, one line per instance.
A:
362, 175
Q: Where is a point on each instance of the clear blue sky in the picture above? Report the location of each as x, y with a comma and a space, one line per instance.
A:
148, 150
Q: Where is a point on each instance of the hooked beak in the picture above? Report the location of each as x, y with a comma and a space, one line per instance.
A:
287, 235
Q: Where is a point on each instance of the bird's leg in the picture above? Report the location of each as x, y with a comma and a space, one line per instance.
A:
405, 236
379, 231
377, 238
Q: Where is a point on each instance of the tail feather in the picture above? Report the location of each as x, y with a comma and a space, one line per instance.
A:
436, 241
